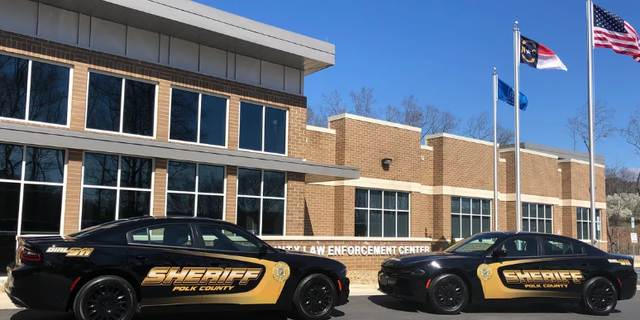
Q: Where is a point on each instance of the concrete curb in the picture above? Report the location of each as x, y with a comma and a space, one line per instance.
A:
357, 290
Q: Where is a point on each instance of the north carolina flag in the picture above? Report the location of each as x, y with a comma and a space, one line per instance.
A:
538, 56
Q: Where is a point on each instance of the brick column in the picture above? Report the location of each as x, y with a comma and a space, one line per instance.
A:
230, 196
160, 188
295, 204
79, 96
73, 192
163, 110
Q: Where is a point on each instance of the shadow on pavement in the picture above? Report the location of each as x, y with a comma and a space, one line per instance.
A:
257, 315
495, 307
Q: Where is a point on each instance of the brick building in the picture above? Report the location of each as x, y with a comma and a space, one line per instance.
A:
113, 108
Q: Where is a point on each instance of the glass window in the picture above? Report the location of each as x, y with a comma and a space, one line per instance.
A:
198, 118
538, 218
559, 247
115, 187
36, 176
584, 224
469, 216
173, 235
121, 105
45, 99
262, 128
372, 221
261, 201
223, 239
520, 247
185, 197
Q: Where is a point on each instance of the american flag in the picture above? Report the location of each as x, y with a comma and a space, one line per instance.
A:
611, 31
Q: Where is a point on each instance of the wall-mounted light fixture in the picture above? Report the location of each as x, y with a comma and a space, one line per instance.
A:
385, 163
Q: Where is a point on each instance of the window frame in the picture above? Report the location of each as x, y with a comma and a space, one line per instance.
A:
226, 121
382, 210
22, 182
544, 219
28, 90
196, 192
122, 97
264, 107
117, 188
195, 246
261, 197
471, 215
579, 222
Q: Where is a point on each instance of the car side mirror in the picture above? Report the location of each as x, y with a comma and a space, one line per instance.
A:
498, 253
264, 249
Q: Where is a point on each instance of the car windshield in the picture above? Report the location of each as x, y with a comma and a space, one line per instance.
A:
474, 245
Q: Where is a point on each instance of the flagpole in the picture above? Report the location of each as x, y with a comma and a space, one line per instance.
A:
495, 147
590, 103
516, 98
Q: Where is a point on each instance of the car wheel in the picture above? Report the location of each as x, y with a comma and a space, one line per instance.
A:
315, 297
448, 294
599, 296
105, 297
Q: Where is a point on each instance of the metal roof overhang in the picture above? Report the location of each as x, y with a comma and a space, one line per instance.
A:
205, 25
96, 142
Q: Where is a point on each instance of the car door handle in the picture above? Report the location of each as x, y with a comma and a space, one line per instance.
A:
141, 257
214, 263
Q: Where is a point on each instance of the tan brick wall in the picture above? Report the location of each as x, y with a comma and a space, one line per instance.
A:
421, 215
441, 217
355, 261
295, 205
231, 197
319, 210
320, 147
364, 144
160, 187
72, 192
464, 164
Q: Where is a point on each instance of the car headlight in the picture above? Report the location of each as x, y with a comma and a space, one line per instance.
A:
413, 271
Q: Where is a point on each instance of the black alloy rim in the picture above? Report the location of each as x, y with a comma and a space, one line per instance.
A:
317, 297
601, 296
107, 302
449, 295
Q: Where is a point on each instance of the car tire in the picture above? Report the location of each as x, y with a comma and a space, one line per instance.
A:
599, 296
448, 294
109, 295
315, 297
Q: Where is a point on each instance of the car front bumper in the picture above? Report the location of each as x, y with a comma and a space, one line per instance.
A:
343, 293
411, 288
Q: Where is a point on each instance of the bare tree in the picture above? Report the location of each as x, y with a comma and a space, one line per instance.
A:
481, 127
363, 102
603, 126
430, 118
315, 119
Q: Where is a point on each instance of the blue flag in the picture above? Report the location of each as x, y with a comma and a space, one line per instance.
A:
505, 93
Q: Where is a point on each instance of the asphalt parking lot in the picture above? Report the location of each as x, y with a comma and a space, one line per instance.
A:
382, 307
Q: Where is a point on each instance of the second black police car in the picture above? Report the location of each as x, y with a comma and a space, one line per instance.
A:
506, 265
113, 270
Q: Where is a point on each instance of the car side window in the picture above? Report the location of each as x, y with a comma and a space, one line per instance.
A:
560, 247
520, 247
173, 235
226, 239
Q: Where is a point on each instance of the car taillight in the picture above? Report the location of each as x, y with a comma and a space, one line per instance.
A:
27, 254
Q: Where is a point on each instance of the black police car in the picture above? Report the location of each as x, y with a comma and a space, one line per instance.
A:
112, 270
505, 265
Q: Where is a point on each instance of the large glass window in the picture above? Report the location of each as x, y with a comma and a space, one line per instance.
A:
121, 105
195, 190
381, 213
584, 223
263, 128
537, 217
31, 189
33, 90
115, 187
198, 118
469, 216
261, 201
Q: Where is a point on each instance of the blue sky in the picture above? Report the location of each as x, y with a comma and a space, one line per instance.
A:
443, 52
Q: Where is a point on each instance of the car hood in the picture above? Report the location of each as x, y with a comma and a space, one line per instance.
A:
402, 260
